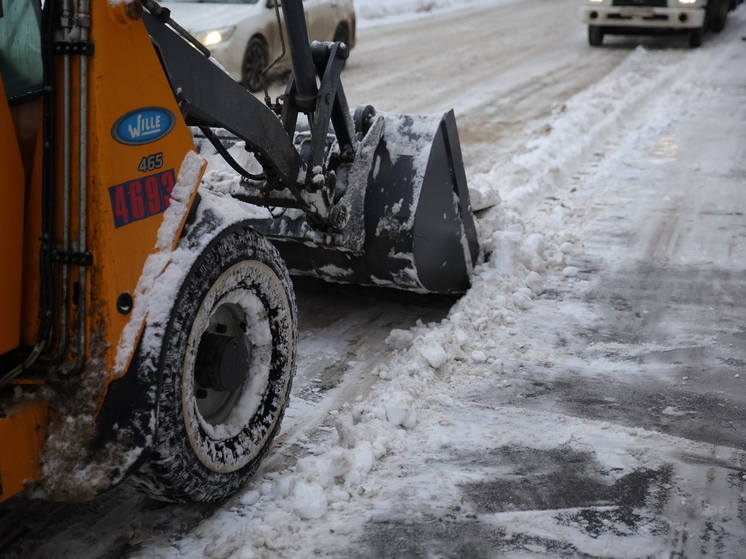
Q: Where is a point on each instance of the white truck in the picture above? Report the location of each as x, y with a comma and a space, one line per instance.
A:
649, 17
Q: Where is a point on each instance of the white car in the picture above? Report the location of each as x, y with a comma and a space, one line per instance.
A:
243, 35
640, 17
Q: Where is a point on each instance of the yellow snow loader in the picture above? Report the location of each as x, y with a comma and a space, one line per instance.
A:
147, 319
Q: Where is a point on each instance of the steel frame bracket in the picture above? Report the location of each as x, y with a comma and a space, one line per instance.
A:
75, 48
72, 258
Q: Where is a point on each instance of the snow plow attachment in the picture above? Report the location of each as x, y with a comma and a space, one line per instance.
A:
410, 224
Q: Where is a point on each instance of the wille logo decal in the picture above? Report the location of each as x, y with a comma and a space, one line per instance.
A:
143, 126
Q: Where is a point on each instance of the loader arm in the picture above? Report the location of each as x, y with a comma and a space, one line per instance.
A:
384, 197
208, 97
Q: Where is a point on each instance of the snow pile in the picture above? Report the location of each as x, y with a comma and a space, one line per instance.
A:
414, 387
574, 130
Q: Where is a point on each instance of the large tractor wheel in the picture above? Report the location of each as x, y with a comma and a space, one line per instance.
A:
228, 364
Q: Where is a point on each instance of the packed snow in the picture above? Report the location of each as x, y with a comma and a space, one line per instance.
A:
379, 12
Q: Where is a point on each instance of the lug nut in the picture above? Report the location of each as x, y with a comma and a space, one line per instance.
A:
339, 216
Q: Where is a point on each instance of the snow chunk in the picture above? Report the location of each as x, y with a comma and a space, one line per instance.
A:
504, 250
670, 410
400, 339
363, 457
535, 283
309, 500
479, 356
522, 301
461, 337
250, 498
348, 436
443, 399
531, 260
483, 197
400, 412
432, 351
537, 243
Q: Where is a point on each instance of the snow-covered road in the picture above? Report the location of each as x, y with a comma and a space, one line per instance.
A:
585, 398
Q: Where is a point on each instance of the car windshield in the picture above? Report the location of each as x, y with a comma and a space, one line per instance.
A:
216, 1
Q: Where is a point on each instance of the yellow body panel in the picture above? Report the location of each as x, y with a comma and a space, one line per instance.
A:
125, 76
31, 245
23, 429
11, 230
128, 186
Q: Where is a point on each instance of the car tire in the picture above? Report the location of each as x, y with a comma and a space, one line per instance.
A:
227, 366
695, 37
718, 14
342, 34
595, 35
718, 23
255, 60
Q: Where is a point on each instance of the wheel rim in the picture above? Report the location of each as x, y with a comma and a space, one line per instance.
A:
217, 418
216, 398
256, 62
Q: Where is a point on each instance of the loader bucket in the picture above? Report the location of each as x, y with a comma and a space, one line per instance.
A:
410, 226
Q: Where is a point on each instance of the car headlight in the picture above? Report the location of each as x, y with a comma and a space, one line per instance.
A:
214, 36
687, 1
595, 1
